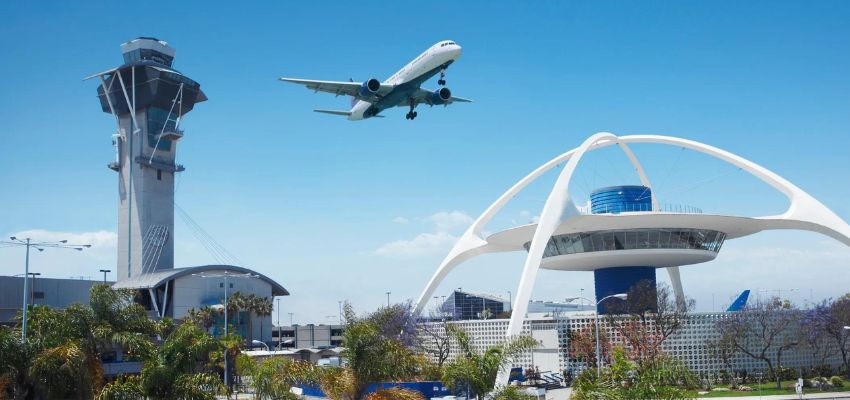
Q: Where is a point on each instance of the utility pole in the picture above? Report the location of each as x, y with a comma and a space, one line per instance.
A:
278, 323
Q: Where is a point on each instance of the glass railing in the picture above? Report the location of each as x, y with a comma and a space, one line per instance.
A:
638, 207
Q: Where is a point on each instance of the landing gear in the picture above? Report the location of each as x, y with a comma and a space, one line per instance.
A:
442, 81
411, 114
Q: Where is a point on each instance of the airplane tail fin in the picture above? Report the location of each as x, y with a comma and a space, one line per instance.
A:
740, 302
334, 112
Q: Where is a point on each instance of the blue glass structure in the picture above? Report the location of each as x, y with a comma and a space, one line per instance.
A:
617, 199
610, 281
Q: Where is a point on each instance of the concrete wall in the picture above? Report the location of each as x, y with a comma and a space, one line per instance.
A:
58, 293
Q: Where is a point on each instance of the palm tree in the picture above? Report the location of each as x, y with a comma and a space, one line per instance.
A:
263, 307
183, 367
68, 344
477, 371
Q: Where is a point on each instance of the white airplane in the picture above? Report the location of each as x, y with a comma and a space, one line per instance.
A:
400, 90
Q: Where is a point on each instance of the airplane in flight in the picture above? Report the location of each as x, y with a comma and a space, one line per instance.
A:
402, 89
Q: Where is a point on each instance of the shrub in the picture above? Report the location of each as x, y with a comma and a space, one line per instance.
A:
836, 381
807, 383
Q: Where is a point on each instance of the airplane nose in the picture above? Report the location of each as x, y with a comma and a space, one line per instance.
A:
455, 51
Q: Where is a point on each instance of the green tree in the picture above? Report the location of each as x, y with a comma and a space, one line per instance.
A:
182, 367
68, 344
477, 371
659, 378
763, 331
15, 359
262, 307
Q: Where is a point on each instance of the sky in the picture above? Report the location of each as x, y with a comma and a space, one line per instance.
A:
347, 211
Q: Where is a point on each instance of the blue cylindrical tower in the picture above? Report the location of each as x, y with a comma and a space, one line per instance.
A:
609, 281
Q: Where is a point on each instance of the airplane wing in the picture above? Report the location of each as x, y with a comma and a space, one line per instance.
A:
425, 96
342, 88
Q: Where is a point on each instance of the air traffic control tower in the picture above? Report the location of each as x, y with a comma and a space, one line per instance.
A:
148, 99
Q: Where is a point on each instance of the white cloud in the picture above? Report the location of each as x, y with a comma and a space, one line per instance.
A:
97, 239
59, 263
400, 220
422, 244
427, 243
449, 220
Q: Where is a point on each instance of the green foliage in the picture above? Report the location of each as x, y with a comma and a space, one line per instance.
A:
374, 347
836, 381
182, 367
15, 359
123, 388
511, 393
477, 371
661, 378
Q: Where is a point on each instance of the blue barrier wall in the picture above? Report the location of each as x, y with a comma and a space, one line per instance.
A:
428, 389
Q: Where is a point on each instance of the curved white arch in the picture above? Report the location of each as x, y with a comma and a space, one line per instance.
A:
472, 242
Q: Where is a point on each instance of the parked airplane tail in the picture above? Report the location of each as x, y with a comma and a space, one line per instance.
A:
740, 302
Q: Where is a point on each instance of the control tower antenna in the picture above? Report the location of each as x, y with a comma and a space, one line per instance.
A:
148, 98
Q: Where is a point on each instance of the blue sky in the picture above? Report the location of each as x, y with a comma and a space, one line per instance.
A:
349, 210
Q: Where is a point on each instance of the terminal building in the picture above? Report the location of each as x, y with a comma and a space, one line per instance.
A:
626, 235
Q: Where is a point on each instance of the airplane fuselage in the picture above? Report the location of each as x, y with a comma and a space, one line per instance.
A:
408, 79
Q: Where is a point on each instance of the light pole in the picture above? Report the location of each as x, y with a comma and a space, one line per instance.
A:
226, 275
388, 299
621, 296
104, 274
340, 312
278, 323
32, 288
40, 246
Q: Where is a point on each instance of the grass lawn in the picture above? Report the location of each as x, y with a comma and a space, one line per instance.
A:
767, 389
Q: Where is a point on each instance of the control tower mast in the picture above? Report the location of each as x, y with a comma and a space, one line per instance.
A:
148, 98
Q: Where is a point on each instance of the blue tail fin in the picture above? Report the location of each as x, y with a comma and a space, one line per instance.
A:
740, 302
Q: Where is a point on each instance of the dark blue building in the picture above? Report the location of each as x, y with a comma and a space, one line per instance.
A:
610, 281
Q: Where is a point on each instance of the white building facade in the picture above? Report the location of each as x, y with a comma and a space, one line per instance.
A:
690, 344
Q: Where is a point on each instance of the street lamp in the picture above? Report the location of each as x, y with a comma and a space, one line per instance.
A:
278, 322
621, 296
104, 274
40, 246
388, 299
226, 275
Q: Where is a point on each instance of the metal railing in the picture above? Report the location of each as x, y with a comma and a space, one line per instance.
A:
638, 207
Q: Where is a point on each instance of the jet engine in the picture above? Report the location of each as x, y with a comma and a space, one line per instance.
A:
370, 87
441, 96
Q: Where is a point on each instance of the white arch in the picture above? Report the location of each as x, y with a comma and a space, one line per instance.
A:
472, 242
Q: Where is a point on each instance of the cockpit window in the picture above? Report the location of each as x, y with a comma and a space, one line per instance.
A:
444, 44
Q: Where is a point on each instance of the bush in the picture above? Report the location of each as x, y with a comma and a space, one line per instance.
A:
836, 381
822, 370
807, 383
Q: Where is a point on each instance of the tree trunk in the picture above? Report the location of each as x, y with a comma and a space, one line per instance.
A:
779, 368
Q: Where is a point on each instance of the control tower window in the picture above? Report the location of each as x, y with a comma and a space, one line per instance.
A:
157, 119
148, 54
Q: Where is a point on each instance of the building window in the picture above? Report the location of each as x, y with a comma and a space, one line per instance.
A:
38, 295
159, 174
